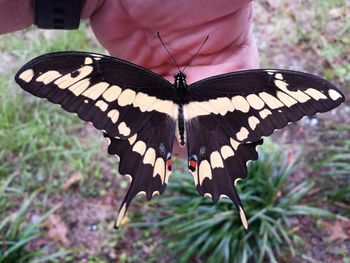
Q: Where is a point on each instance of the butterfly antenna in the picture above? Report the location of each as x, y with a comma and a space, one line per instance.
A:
168, 50
199, 49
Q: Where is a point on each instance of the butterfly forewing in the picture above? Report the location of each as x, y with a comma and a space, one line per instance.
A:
252, 104
116, 96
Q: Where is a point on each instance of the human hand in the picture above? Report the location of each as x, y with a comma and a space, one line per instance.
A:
127, 29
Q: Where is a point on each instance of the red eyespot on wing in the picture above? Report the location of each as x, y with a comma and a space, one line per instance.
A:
192, 165
168, 164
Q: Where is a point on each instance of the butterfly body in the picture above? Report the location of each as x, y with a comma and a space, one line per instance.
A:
181, 98
221, 120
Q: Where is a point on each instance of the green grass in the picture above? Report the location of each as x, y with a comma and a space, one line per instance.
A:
39, 142
17, 230
41, 146
327, 34
198, 229
318, 30
333, 166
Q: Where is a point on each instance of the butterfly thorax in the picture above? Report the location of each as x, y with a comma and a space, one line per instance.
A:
180, 89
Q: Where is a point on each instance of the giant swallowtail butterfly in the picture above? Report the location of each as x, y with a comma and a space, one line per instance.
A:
220, 119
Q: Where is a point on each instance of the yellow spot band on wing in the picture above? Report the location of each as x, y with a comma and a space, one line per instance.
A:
48, 76
27, 75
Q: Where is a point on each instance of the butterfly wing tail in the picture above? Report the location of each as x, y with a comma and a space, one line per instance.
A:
144, 178
146, 159
217, 164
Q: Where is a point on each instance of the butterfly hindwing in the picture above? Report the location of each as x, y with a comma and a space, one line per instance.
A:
253, 103
217, 161
146, 158
116, 96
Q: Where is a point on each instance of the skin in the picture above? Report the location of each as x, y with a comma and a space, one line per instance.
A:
128, 30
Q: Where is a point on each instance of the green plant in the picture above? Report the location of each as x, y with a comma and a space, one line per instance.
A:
334, 166
17, 231
199, 229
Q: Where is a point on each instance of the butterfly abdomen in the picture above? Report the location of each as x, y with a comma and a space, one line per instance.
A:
181, 127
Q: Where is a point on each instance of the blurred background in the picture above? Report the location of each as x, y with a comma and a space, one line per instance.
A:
59, 189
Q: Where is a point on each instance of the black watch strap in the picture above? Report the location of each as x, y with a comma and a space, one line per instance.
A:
57, 14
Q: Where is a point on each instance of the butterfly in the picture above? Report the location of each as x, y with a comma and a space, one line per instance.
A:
221, 119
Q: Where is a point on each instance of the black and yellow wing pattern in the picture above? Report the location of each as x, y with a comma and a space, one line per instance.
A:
228, 116
224, 117
131, 105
